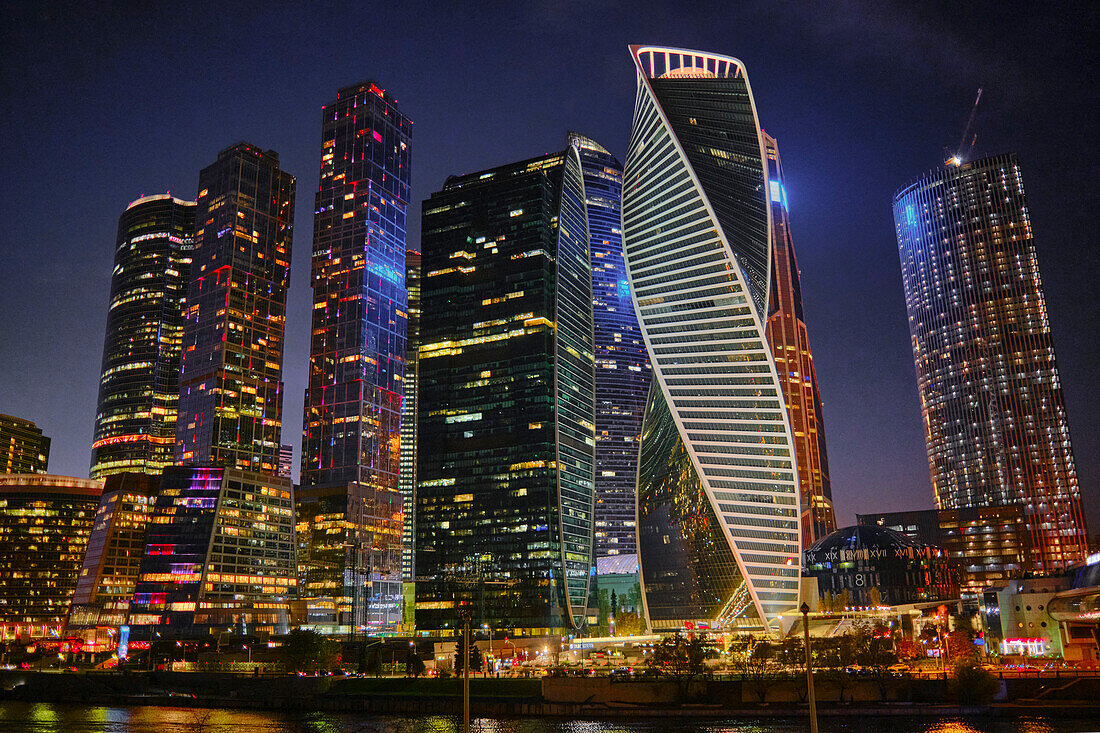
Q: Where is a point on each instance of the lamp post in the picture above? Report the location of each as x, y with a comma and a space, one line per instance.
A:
490, 630
466, 672
805, 609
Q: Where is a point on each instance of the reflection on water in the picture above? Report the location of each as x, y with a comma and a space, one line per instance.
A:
47, 718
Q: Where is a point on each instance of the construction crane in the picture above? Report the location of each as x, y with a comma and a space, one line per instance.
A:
961, 154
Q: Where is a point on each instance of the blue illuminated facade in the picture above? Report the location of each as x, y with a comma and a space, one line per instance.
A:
349, 505
352, 420
622, 367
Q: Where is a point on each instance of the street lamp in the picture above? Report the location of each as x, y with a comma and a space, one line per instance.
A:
490, 630
805, 609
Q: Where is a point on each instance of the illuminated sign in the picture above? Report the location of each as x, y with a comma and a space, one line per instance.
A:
123, 642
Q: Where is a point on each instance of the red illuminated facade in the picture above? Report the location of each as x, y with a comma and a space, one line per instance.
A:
794, 362
231, 390
991, 396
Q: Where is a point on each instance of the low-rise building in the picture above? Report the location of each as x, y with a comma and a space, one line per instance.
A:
113, 558
990, 545
878, 566
45, 523
219, 555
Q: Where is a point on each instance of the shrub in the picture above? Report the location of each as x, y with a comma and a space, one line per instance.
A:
973, 685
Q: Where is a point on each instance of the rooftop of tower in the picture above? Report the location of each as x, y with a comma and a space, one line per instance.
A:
159, 197
666, 62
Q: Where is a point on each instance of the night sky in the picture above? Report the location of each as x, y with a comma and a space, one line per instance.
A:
100, 108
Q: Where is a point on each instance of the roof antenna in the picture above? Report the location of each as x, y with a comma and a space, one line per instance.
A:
960, 155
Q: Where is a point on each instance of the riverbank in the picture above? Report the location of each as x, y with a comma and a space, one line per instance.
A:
549, 697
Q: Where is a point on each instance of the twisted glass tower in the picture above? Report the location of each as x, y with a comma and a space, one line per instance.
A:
718, 495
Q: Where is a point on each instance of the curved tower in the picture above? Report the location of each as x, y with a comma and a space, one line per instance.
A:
718, 499
622, 365
135, 424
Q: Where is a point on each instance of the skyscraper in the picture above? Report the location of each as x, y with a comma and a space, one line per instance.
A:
994, 415
794, 363
23, 447
506, 454
409, 433
219, 554
231, 390
622, 367
357, 353
135, 425
718, 497
351, 441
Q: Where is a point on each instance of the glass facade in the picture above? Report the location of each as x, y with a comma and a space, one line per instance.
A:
231, 390
351, 444
115, 549
857, 559
994, 414
622, 367
219, 554
691, 576
357, 352
990, 544
135, 425
23, 447
506, 452
45, 523
698, 251
409, 433
786, 334
349, 556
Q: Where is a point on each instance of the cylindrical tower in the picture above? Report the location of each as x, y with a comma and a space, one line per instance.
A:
135, 424
994, 415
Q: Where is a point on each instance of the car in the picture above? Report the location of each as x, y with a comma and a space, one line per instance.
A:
898, 668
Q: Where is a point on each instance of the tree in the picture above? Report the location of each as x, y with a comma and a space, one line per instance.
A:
875, 596
414, 665
874, 651
679, 657
907, 649
973, 685
604, 603
960, 645
460, 655
307, 651
757, 664
629, 624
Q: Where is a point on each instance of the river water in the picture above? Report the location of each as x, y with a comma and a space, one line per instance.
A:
48, 718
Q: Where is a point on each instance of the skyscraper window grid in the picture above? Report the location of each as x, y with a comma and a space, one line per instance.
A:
622, 365
718, 503
352, 416
506, 448
994, 414
231, 390
135, 425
